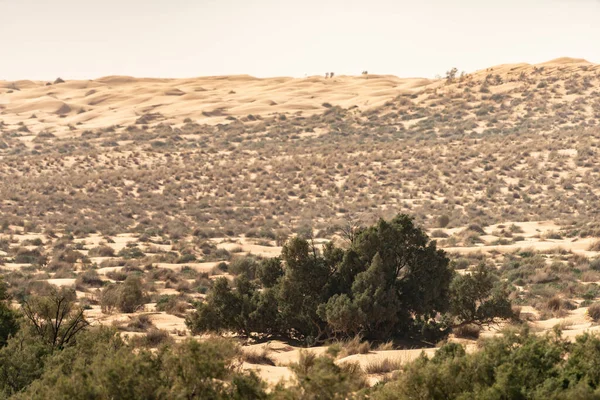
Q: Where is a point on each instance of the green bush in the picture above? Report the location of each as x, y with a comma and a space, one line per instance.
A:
517, 365
8, 317
127, 297
102, 366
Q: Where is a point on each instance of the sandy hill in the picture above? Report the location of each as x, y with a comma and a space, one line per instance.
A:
308, 151
75, 106
120, 100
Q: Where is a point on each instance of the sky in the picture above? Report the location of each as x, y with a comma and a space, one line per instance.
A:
85, 39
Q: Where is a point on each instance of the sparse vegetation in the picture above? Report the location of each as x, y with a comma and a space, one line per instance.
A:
292, 226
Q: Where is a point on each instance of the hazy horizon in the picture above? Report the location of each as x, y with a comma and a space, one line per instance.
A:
179, 38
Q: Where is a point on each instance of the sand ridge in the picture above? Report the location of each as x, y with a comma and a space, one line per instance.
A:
72, 107
75, 106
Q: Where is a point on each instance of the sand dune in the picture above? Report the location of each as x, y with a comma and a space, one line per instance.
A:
72, 107
121, 100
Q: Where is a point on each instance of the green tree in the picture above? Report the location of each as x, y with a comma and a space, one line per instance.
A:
302, 289
219, 311
378, 303
341, 314
391, 281
474, 300
264, 315
269, 271
131, 295
21, 361
418, 272
8, 317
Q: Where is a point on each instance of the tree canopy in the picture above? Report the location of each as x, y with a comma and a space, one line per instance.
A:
390, 281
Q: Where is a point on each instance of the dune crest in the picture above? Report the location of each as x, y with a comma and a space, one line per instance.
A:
72, 107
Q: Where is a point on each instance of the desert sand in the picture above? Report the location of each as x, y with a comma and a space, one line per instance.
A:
72, 107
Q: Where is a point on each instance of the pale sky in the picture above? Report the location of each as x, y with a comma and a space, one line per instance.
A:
84, 39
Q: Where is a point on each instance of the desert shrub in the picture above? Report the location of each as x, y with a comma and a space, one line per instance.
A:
128, 296
594, 311
139, 323
102, 365
469, 331
156, 337
475, 228
461, 263
555, 303
33, 242
356, 345
55, 318
131, 297
590, 276
321, 378
243, 266
109, 298
553, 235
101, 251
438, 233
89, 278
69, 256
171, 304
544, 366
258, 357
183, 287
443, 221
185, 258
34, 257
383, 366
131, 252
334, 349
117, 275
202, 284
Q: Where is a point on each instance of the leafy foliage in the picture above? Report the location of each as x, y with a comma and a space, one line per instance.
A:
475, 301
128, 297
102, 366
391, 281
517, 365
8, 317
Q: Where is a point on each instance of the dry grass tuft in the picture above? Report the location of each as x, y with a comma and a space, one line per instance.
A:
469, 331
383, 366
260, 357
354, 346
594, 312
